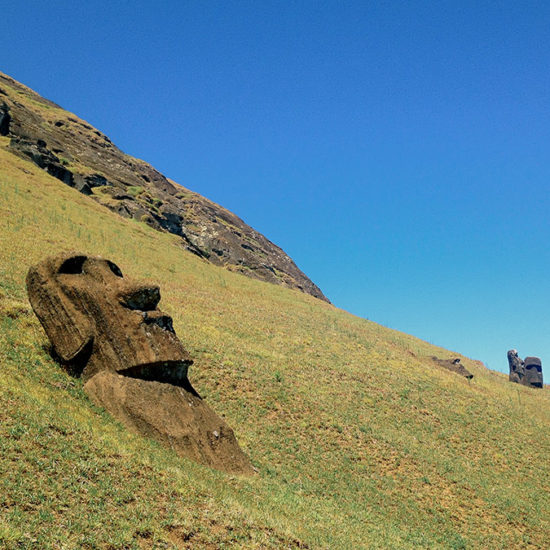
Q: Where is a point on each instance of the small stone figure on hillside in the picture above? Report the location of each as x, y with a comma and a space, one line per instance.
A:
109, 330
454, 365
527, 373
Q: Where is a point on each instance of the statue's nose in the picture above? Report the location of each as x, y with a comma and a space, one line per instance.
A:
142, 297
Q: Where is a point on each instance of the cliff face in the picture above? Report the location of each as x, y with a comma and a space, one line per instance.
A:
81, 156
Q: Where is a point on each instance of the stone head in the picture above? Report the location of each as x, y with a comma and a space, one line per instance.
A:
97, 319
533, 372
517, 367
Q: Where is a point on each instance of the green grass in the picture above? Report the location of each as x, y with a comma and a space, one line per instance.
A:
134, 190
359, 440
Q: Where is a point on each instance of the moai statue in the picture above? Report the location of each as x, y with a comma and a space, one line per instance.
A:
517, 367
533, 372
454, 365
109, 330
527, 373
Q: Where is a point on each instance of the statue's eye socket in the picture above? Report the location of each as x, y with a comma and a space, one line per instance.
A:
534, 367
73, 265
114, 268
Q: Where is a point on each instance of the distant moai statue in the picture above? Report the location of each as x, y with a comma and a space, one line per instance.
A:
517, 367
533, 372
453, 365
527, 373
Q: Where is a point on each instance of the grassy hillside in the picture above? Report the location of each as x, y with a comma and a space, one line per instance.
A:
359, 440
80, 155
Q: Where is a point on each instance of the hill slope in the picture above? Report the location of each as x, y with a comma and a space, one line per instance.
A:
360, 441
81, 156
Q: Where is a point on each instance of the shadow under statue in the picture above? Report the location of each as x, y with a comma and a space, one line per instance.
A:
109, 330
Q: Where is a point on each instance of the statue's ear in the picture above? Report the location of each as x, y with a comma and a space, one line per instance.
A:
68, 329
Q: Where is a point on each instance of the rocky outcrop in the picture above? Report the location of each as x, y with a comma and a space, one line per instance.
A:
5, 120
86, 184
37, 151
76, 153
527, 372
454, 365
109, 330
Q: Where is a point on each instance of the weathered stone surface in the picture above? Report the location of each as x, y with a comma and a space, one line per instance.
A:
85, 184
85, 304
533, 372
171, 415
109, 330
527, 372
454, 365
143, 193
5, 119
517, 367
38, 152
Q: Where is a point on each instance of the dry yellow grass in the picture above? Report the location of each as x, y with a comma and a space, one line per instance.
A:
359, 440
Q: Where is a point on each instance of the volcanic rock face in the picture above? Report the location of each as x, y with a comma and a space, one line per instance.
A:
5, 119
109, 330
81, 156
527, 373
454, 365
41, 156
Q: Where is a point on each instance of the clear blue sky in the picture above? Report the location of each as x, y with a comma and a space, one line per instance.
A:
398, 151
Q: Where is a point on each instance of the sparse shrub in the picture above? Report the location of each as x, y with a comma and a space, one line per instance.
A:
134, 190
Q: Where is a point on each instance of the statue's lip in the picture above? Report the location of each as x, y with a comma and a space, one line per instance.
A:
165, 372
